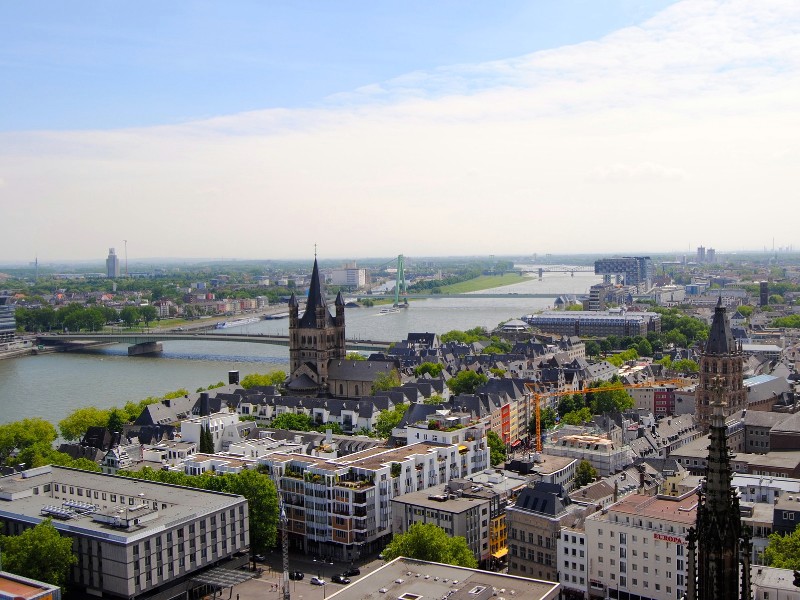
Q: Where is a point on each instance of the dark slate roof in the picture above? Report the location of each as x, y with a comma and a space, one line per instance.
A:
357, 370
304, 382
543, 498
316, 299
720, 338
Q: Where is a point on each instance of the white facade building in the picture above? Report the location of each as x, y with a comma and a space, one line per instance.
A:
573, 561
639, 547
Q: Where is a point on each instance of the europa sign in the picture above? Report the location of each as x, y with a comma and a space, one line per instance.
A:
669, 538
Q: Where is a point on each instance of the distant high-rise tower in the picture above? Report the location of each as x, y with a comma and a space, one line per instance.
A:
763, 293
112, 264
719, 539
315, 339
721, 358
701, 254
711, 255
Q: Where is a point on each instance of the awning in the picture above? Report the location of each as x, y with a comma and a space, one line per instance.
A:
517, 443
462, 448
500, 553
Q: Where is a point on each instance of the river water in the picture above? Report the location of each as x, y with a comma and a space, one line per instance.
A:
52, 385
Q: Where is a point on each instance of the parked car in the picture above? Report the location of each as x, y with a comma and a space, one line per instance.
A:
352, 572
340, 579
317, 581
260, 558
296, 575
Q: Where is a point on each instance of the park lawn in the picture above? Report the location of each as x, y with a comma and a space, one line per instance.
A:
483, 282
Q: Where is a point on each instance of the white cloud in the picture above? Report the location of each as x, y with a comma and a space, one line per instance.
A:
639, 173
512, 156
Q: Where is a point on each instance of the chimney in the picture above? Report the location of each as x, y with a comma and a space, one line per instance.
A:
233, 377
205, 405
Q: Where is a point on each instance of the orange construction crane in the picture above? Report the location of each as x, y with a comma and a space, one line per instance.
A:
538, 395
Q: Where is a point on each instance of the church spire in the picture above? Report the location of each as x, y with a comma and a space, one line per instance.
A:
720, 339
316, 307
719, 523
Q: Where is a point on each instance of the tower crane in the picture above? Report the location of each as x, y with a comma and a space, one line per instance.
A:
537, 396
283, 519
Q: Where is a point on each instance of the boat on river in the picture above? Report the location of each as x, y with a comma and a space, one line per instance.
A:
237, 322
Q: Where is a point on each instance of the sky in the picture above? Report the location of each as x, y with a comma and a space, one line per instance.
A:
255, 130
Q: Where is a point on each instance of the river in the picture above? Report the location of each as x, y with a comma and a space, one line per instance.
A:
52, 385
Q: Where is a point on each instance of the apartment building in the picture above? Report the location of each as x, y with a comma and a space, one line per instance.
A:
639, 547
534, 523
604, 454
132, 538
468, 516
573, 560
341, 507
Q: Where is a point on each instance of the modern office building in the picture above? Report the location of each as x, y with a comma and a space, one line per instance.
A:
112, 264
596, 323
133, 539
8, 322
349, 276
630, 270
16, 587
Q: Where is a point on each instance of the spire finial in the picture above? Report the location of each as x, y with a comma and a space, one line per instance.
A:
315, 252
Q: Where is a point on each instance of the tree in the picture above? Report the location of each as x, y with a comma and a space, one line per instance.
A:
389, 419
148, 314
466, 382
426, 541
385, 381
585, 473
263, 379
19, 435
548, 420
435, 399
429, 368
355, 356
262, 505
644, 348
592, 348
497, 449
40, 553
129, 315
614, 399
74, 425
685, 365
292, 421
206, 440
116, 419
783, 551
577, 417
746, 310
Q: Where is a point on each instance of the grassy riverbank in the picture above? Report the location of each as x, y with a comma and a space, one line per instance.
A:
484, 282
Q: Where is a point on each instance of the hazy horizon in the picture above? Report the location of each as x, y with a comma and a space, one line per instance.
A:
232, 130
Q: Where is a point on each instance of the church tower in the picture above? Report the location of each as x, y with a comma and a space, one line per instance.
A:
315, 338
718, 535
722, 358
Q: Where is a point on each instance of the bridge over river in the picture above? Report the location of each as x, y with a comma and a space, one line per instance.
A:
150, 342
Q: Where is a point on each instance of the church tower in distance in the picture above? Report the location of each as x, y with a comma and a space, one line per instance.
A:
315, 338
722, 358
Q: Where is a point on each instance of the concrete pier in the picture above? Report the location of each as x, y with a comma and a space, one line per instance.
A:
145, 348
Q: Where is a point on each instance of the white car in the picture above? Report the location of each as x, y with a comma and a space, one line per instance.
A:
317, 581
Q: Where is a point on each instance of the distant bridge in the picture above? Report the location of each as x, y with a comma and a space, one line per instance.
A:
150, 342
557, 269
